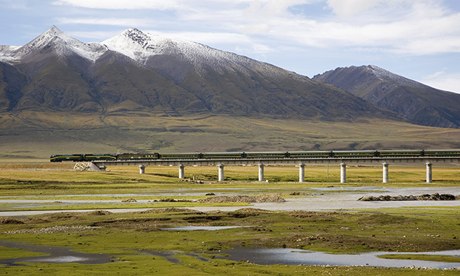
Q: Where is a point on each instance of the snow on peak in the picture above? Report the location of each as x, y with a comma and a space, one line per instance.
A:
137, 36
46, 38
54, 31
7, 53
60, 42
132, 43
387, 75
140, 46
136, 45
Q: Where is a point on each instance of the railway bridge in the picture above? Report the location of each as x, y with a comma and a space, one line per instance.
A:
301, 163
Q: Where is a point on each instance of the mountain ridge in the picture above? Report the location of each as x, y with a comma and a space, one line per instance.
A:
134, 71
409, 100
60, 98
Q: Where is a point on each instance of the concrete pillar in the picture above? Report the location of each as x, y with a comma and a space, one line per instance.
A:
261, 172
429, 176
343, 173
385, 172
141, 169
181, 171
301, 172
220, 172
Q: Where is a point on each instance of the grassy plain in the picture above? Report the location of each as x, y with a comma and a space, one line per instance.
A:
50, 133
133, 238
54, 178
129, 238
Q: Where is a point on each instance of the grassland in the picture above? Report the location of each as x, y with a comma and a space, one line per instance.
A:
128, 238
21, 137
45, 178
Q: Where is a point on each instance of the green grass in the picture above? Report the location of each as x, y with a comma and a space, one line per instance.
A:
124, 235
75, 133
59, 179
121, 205
11, 253
414, 229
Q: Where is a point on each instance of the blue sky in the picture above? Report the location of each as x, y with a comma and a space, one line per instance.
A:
419, 39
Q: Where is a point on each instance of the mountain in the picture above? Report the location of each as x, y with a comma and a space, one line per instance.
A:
138, 92
410, 100
52, 39
138, 72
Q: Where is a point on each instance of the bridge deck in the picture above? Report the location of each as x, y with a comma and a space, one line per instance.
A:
276, 161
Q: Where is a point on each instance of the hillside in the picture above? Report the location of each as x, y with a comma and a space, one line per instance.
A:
53, 132
409, 100
137, 92
138, 72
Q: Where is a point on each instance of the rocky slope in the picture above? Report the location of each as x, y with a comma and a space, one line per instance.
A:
408, 99
138, 72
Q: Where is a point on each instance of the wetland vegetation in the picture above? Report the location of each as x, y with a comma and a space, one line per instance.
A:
137, 244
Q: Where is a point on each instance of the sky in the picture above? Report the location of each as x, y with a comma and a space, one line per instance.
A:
418, 39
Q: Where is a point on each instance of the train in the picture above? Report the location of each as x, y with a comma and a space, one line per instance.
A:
255, 155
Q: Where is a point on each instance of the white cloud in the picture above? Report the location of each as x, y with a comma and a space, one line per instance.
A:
121, 4
129, 22
14, 5
95, 36
227, 41
401, 26
444, 80
352, 7
205, 37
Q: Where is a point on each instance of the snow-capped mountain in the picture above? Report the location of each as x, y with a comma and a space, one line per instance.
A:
56, 40
135, 44
7, 53
139, 72
386, 75
141, 46
408, 99
144, 48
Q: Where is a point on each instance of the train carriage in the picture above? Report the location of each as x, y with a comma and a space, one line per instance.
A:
137, 156
257, 155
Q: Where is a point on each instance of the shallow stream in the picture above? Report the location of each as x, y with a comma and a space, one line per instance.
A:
56, 255
305, 257
199, 228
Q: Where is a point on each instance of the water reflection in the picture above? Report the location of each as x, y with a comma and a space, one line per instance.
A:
56, 255
297, 256
199, 228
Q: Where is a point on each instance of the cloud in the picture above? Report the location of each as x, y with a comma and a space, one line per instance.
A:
226, 41
422, 27
14, 5
129, 22
121, 4
352, 7
205, 37
96, 36
444, 80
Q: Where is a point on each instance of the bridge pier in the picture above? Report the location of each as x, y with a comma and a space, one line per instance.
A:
261, 172
88, 166
301, 172
343, 173
141, 169
429, 175
181, 171
385, 173
220, 172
